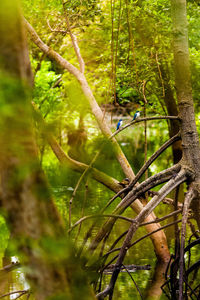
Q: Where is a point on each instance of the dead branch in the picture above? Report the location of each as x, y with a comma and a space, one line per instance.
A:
176, 212
147, 185
56, 30
129, 273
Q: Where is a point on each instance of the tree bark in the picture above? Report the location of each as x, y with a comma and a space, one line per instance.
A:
24, 194
190, 139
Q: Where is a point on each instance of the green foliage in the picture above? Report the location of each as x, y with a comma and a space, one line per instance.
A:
4, 236
46, 94
142, 42
81, 11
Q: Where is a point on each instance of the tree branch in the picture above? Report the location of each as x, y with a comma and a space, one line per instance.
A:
189, 196
89, 96
130, 198
100, 216
49, 52
147, 164
146, 235
74, 42
167, 188
138, 120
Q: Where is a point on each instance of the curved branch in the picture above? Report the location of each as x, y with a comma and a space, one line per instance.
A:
167, 188
143, 237
130, 198
126, 167
64, 158
146, 185
49, 52
146, 165
100, 216
138, 120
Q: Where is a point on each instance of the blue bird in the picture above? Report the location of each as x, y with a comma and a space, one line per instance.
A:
119, 124
136, 115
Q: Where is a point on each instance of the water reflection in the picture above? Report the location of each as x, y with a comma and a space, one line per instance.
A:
12, 281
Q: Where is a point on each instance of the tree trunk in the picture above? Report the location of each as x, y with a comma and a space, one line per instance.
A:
24, 194
190, 139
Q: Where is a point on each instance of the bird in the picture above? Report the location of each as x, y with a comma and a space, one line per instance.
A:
136, 115
119, 124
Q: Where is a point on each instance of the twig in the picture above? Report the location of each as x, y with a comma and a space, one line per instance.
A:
22, 292
74, 41
56, 30
144, 236
100, 216
116, 50
83, 207
176, 212
138, 120
160, 75
133, 281
131, 41
112, 6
